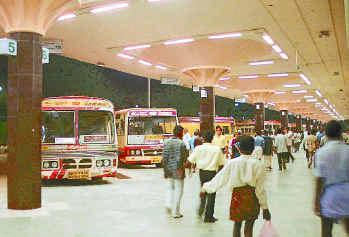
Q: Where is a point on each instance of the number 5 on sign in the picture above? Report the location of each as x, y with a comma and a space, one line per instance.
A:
8, 47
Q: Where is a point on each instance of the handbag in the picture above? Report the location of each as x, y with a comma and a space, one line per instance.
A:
268, 230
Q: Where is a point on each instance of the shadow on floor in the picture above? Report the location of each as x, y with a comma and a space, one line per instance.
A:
59, 183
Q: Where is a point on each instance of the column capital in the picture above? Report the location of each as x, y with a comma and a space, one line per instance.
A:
206, 75
259, 96
34, 16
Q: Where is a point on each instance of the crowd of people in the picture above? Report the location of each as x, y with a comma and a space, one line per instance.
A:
243, 162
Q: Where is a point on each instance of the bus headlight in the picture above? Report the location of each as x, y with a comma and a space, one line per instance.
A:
138, 152
132, 152
106, 163
54, 164
99, 163
46, 164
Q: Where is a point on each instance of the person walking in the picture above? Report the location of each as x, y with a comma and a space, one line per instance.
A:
219, 139
174, 158
289, 136
332, 182
267, 151
208, 158
280, 144
258, 145
311, 142
245, 177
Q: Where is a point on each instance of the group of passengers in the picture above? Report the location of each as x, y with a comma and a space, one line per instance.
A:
245, 170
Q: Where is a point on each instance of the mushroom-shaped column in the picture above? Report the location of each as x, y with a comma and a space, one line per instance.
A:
299, 111
259, 98
284, 107
26, 21
206, 77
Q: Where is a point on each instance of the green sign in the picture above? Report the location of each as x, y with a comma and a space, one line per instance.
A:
8, 47
45, 55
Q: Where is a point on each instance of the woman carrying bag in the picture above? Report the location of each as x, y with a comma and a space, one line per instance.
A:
245, 175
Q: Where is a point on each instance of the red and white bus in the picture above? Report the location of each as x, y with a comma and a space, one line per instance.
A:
141, 134
78, 138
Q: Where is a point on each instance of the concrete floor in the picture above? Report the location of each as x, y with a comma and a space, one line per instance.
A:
134, 207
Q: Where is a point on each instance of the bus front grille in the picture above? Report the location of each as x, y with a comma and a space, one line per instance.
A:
157, 152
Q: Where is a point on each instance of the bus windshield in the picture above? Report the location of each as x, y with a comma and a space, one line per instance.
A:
151, 125
58, 127
96, 127
149, 130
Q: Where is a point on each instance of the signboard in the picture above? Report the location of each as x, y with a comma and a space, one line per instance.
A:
203, 94
45, 55
241, 100
196, 88
8, 47
169, 81
54, 45
150, 113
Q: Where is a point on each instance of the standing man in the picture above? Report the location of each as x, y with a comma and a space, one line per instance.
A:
219, 139
258, 146
281, 149
332, 183
268, 150
311, 142
208, 158
174, 158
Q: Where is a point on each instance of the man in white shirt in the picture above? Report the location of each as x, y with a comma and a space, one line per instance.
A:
289, 137
243, 173
281, 149
208, 158
186, 139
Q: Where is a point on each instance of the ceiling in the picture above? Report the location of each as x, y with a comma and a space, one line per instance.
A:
311, 33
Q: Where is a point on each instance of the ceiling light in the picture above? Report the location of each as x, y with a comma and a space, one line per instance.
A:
308, 96
154, 0
311, 100
109, 7
318, 93
67, 16
305, 79
279, 92
145, 63
283, 56
292, 85
326, 101
222, 36
179, 41
248, 77
278, 75
161, 67
258, 63
224, 78
121, 55
268, 39
143, 46
222, 87
299, 92
277, 48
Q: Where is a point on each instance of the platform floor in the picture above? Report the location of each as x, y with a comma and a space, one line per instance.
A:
135, 207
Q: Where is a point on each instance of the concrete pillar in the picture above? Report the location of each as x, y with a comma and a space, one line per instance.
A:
284, 119
26, 21
24, 123
299, 123
206, 77
207, 109
260, 114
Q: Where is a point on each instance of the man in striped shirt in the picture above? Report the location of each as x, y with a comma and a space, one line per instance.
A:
175, 156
